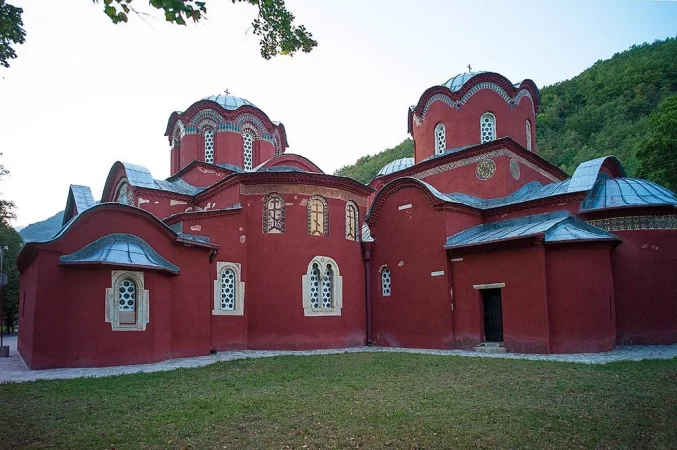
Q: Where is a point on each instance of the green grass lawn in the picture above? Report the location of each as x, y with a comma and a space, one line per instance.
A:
371, 400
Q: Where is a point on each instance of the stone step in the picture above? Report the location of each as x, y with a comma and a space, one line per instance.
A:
490, 347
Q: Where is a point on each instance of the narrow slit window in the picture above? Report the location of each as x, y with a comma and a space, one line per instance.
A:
248, 149
488, 127
385, 282
351, 221
440, 139
209, 136
528, 131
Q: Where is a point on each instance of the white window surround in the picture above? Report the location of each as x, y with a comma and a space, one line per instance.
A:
113, 306
440, 139
248, 138
336, 288
209, 136
528, 131
386, 281
352, 219
487, 127
238, 309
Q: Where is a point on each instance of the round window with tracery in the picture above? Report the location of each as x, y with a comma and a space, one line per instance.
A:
485, 169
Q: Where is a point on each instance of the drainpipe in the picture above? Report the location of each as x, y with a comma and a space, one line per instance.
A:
367, 275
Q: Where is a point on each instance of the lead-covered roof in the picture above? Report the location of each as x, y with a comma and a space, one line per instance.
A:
120, 249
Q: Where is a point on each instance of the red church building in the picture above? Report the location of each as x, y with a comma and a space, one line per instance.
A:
474, 243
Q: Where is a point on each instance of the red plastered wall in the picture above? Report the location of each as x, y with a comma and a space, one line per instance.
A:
161, 205
525, 311
410, 242
202, 175
276, 264
645, 281
227, 332
580, 298
28, 293
462, 125
69, 319
464, 179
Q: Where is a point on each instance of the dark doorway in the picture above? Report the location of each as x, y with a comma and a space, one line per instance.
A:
493, 315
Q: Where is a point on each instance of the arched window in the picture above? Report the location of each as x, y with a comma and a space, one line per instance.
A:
322, 288
228, 290
352, 220
528, 127
124, 194
127, 301
488, 127
318, 216
209, 133
248, 149
327, 287
385, 282
440, 139
273, 214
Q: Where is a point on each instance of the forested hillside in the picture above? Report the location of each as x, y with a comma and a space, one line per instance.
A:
603, 111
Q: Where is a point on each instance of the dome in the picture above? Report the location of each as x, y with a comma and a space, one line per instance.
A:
396, 166
230, 102
456, 83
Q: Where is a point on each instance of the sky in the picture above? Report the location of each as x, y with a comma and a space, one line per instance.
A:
84, 93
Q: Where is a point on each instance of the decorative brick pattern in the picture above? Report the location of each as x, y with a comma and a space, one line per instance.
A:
636, 223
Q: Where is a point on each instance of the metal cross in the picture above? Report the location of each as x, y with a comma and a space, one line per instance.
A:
469, 68
227, 92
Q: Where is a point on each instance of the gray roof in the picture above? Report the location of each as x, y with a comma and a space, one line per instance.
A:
179, 186
230, 102
138, 176
533, 190
557, 226
587, 172
120, 249
83, 198
396, 166
456, 83
621, 192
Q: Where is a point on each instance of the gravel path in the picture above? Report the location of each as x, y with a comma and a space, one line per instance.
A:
13, 369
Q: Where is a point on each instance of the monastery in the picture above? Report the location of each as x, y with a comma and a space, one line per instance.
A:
474, 243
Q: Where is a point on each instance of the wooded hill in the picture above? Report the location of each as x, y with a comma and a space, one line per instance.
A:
603, 111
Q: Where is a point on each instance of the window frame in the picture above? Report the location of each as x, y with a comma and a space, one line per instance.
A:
355, 221
529, 135
336, 289
142, 301
278, 225
252, 133
325, 215
493, 130
203, 132
439, 150
238, 309
381, 272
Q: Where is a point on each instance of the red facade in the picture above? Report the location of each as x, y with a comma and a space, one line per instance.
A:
479, 243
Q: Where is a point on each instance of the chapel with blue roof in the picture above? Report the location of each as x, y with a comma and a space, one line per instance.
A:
474, 243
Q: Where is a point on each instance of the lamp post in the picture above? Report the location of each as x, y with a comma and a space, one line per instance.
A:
4, 350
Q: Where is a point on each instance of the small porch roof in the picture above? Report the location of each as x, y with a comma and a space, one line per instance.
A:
557, 226
120, 249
